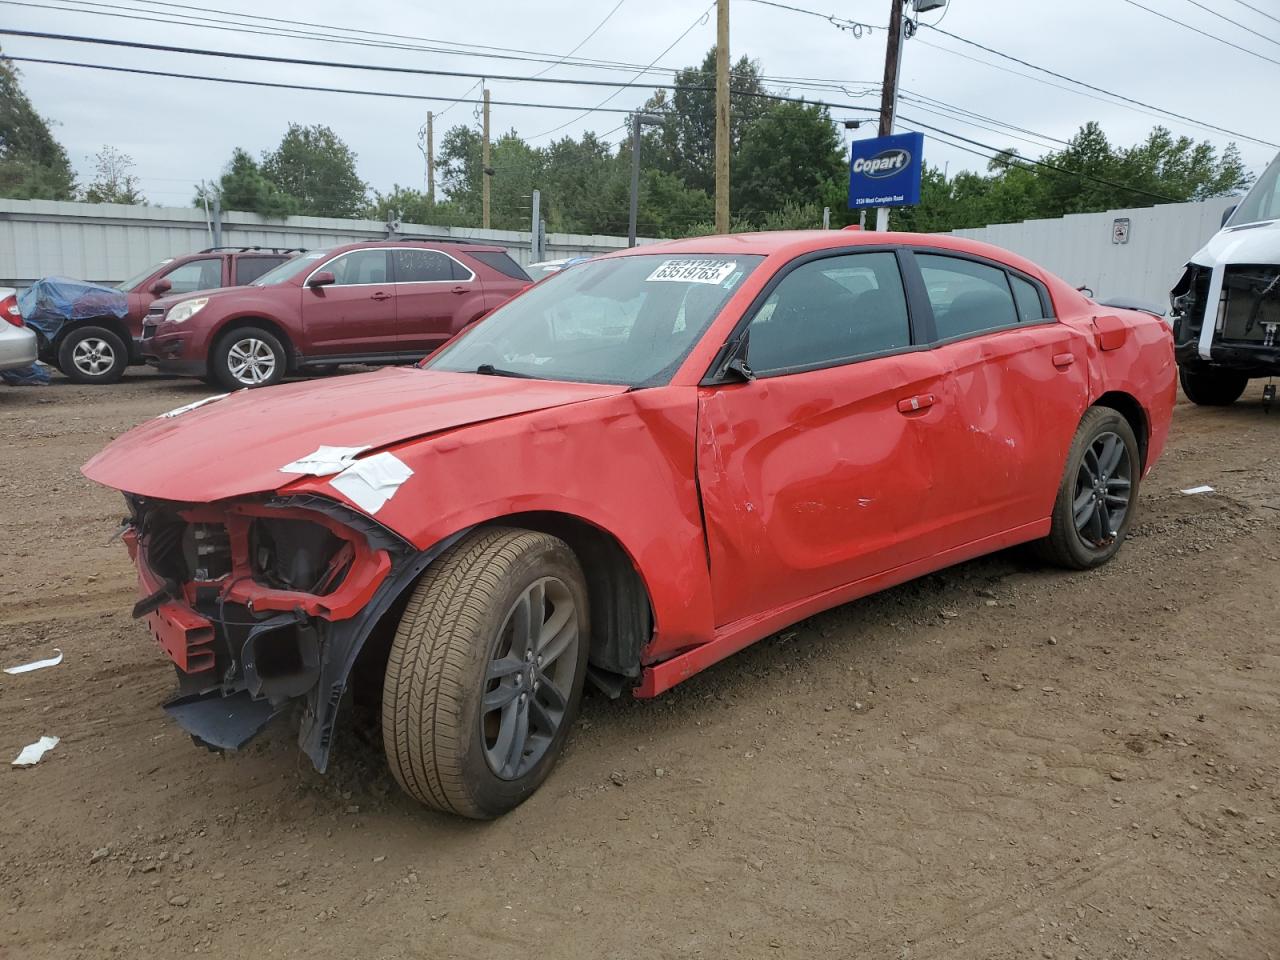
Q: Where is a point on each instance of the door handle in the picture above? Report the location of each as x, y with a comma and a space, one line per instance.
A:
380, 295
458, 289
912, 404
1063, 360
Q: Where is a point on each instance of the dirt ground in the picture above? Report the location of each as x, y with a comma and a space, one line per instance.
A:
997, 761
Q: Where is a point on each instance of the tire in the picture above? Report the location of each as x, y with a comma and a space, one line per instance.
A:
248, 357
456, 657
1080, 547
93, 355
1212, 388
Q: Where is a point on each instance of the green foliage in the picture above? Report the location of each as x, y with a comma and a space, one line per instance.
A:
243, 186
33, 165
787, 154
314, 167
113, 180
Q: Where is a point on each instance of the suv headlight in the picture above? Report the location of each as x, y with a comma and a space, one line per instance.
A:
187, 309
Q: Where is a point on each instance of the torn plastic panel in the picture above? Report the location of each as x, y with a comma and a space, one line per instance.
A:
263, 603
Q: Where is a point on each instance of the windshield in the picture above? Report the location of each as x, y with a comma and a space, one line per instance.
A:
1262, 202
290, 268
128, 285
627, 320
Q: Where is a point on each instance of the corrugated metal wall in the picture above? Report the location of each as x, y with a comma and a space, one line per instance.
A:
107, 243
1079, 246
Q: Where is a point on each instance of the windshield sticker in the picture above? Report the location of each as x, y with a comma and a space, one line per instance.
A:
693, 271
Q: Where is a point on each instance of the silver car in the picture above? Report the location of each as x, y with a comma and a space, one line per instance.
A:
17, 342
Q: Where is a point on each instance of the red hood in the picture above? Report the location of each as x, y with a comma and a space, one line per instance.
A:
236, 446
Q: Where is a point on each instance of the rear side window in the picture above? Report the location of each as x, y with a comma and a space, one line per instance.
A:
501, 262
195, 275
1030, 306
249, 269
426, 266
359, 267
830, 310
967, 297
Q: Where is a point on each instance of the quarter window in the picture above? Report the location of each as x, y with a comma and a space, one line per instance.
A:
425, 266
1030, 306
830, 310
362, 266
195, 275
967, 297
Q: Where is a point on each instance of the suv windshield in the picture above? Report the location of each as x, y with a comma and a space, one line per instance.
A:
128, 285
290, 268
1263, 201
627, 320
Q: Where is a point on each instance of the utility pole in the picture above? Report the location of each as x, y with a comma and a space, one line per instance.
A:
431, 161
485, 170
638, 120
722, 115
535, 239
889, 91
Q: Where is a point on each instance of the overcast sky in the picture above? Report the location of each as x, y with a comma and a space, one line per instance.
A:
180, 131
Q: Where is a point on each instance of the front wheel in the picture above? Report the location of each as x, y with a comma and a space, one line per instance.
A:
248, 357
1098, 494
1212, 388
93, 355
486, 672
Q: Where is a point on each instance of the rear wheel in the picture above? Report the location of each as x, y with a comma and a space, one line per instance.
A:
93, 355
1212, 388
486, 671
1098, 494
248, 357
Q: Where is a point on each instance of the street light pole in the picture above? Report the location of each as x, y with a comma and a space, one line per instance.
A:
637, 121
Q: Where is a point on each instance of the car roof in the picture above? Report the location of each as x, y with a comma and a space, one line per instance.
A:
791, 243
426, 243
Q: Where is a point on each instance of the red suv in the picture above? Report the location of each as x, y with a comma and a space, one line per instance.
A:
388, 301
97, 350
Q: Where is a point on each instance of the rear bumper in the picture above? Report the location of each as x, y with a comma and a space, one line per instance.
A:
18, 347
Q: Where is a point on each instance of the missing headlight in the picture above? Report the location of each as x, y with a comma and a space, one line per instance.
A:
298, 555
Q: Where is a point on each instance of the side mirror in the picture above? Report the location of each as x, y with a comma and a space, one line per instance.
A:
1226, 214
161, 287
322, 278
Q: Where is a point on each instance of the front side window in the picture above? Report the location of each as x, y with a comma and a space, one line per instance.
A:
830, 310
195, 275
136, 280
627, 320
967, 297
359, 267
426, 266
1262, 202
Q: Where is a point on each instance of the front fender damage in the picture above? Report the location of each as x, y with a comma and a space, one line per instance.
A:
262, 616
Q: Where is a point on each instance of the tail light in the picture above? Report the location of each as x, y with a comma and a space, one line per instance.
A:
9, 310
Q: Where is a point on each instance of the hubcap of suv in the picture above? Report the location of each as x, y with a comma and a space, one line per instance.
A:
1103, 486
529, 678
93, 356
251, 361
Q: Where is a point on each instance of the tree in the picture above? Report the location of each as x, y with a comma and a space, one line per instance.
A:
786, 158
33, 165
313, 166
113, 181
243, 186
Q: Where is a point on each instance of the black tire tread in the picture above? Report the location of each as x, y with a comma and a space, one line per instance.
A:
428, 677
1212, 387
68, 368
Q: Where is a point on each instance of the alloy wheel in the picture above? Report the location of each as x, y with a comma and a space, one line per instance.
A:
251, 361
93, 356
1104, 483
529, 678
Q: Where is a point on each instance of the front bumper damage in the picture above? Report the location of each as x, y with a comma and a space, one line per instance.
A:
263, 605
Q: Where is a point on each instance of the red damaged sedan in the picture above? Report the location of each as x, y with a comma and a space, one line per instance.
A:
627, 473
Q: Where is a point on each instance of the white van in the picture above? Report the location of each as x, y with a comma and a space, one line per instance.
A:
1226, 307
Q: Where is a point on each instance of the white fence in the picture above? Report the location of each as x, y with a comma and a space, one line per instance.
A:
107, 242
1084, 248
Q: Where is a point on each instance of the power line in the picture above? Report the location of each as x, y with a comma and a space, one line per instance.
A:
582, 42
1261, 13
1234, 23
855, 27
1090, 86
1203, 33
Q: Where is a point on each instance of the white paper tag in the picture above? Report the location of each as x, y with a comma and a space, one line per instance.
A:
371, 482
324, 461
693, 271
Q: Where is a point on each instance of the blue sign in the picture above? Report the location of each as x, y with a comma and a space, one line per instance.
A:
885, 171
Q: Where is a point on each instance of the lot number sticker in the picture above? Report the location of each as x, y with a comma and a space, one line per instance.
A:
694, 271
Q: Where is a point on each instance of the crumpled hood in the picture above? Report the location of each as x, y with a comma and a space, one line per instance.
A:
1253, 243
236, 446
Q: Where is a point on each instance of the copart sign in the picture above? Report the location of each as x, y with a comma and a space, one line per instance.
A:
885, 171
